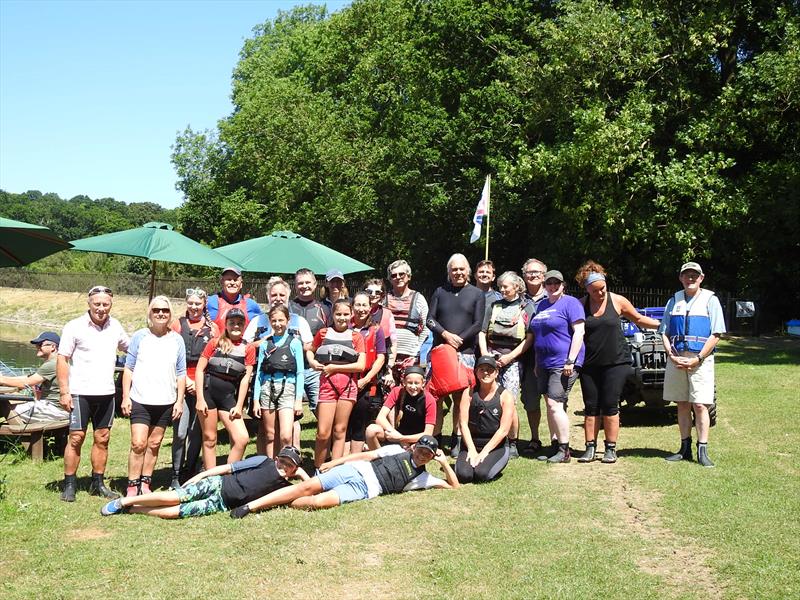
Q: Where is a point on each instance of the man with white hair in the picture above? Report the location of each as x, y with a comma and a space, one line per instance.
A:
455, 318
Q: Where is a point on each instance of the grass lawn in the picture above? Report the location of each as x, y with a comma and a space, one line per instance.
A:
642, 528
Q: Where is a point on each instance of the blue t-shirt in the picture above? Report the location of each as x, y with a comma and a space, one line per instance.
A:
552, 330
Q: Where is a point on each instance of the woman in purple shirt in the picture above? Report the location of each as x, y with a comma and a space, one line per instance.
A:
558, 339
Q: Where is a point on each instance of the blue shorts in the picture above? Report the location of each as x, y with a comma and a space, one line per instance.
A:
346, 481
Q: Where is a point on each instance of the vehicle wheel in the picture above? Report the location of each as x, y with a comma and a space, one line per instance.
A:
712, 412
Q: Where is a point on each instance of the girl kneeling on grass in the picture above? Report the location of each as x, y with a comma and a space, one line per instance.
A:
486, 414
279, 380
221, 380
219, 489
339, 353
153, 384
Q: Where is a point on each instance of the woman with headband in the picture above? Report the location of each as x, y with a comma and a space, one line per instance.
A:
608, 362
196, 329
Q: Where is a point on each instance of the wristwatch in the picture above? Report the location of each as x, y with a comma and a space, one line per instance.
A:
569, 362
700, 359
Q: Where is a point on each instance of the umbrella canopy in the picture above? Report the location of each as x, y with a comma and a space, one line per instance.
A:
22, 243
154, 241
286, 252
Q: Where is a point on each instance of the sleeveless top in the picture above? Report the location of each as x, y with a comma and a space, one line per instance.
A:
484, 416
604, 341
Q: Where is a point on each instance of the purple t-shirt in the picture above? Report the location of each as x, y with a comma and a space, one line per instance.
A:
552, 330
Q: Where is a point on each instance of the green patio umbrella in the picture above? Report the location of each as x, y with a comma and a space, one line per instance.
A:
156, 242
286, 252
22, 243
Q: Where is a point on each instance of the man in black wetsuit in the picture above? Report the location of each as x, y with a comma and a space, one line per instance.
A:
455, 317
361, 476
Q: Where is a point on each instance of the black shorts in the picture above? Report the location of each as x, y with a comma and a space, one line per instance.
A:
364, 412
97, 409
220, 393
152, 415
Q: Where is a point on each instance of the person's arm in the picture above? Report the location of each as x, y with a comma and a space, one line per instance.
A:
463, 421
177, 409
521, 349
127, 381
482, 345
368, 456
22, 380
383, 418
507, 403
432, 322
218, 470
574, 347
422, 307
62, 375
299, 375
627, 310
237, 411
450, 475
201, 405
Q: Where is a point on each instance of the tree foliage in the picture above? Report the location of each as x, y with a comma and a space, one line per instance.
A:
640, 133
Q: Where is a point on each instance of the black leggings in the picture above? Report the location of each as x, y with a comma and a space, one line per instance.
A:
489, 469
602, 387
365, 411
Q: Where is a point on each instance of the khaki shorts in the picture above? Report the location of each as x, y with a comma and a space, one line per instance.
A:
272, 398
695, 386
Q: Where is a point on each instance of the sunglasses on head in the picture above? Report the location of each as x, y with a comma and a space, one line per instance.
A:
195, 292
99, 289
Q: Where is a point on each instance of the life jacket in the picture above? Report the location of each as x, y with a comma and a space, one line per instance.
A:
229, 367
195, 340
313, 312
484, 416
404, 309
370, 345
395, 472
690, 321
263, 329
507, 327
223, 306
336, 348
278, 359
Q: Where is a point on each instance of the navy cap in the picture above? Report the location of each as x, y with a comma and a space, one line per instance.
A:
291, 453
428, 442
235, 312
47, 336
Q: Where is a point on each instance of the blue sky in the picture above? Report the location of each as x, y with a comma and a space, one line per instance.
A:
92, 94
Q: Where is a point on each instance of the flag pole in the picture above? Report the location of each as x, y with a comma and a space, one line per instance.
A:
488, 202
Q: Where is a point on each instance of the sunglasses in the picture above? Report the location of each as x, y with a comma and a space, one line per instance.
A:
162, 311
373, 292
398, 275
195, 292
99, 289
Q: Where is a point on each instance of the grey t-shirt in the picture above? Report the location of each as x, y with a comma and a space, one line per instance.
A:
49, 387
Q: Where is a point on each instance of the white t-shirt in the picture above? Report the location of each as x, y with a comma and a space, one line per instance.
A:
303, 329
93, 351
156, 362
423, 481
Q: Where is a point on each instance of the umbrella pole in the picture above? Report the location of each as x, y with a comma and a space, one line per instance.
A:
152, 281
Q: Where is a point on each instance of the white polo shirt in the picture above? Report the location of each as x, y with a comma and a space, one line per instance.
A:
93, 351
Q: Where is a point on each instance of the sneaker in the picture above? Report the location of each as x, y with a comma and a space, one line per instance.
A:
513, 452
562, 456
610, 455
589, 454
112, 508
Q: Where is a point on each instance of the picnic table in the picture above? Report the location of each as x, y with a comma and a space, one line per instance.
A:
31, 435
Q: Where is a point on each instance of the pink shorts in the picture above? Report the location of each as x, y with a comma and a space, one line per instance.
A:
339, 386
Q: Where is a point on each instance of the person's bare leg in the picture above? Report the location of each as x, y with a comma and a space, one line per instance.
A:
611, 428
685, 419
288, 494
138, 447
151, 453
72, 452
100, 449
590, 428
152, 500
340, 421
702, 422
321, 501
375, 435
326, 412
208, 424
286, 428
237, 432
268, 425
163, 512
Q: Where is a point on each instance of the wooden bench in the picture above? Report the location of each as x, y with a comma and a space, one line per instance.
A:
32, 435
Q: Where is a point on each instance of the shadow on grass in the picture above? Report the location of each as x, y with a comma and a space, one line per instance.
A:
644, 416
769, 350
644, 452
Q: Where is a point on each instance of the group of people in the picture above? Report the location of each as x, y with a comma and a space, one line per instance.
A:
355, 358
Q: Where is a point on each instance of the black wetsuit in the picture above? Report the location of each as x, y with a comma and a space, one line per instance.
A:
484, 421
459, 311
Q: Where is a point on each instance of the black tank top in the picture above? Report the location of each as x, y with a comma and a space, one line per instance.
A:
484, 416
605, 344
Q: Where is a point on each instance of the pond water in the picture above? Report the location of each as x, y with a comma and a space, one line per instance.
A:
16, 349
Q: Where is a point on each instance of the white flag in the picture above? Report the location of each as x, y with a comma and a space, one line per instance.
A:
480, 213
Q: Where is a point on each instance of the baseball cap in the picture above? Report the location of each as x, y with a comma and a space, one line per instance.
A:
414, 370
235, 312
291, 453
47, 336
236, 270
334, 274
692, 266
428, 442
486, 360
553, 274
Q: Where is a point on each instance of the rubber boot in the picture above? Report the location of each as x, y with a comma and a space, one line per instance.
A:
455, 448
551, 451
702, 455
610, 455
562, 456
99, 488
685, 453
513, 451
588, 456
70, 488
